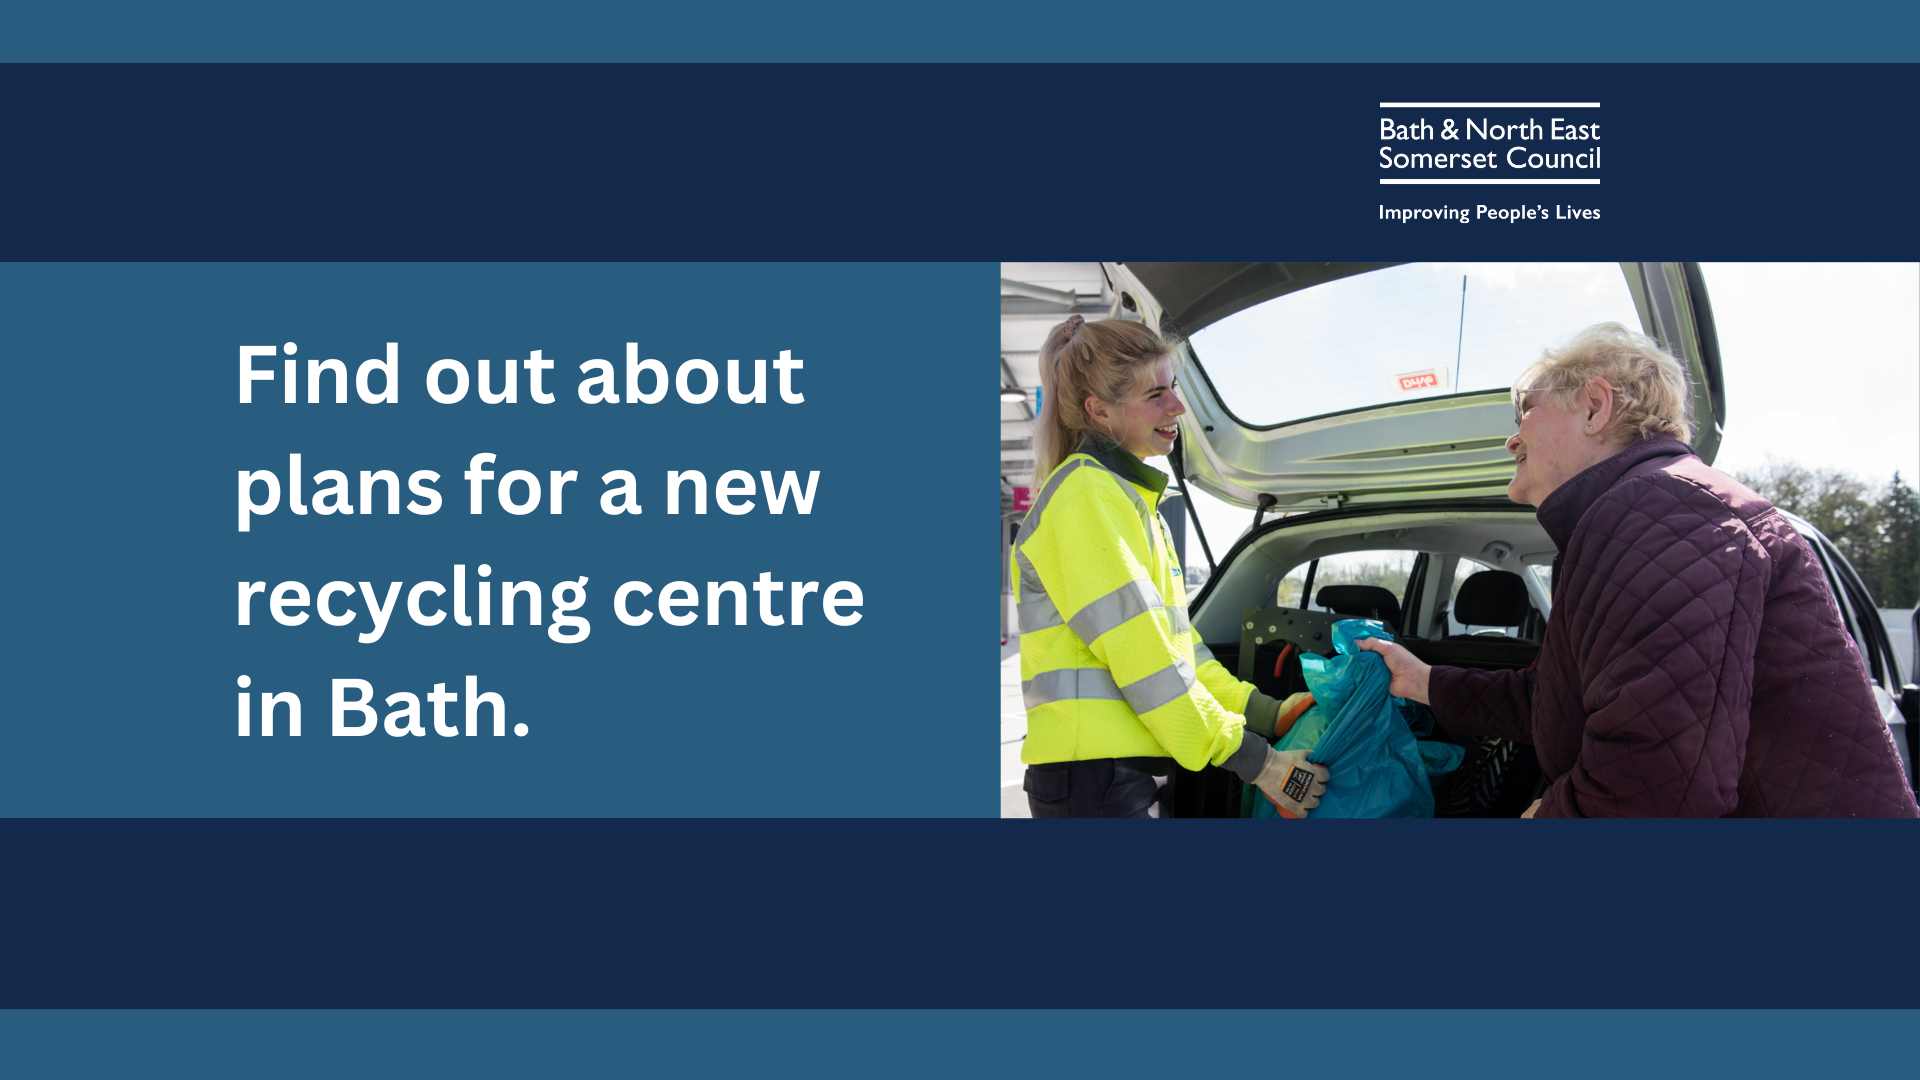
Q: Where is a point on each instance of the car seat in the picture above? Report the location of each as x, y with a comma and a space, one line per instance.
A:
1488, 598
1492, 598
1362, 602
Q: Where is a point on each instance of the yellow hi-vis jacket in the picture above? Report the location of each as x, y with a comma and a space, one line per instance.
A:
1109, 666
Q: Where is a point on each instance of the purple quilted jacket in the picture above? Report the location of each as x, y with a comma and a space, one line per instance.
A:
1695, 663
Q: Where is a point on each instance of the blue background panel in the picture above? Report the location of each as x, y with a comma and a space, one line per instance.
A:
1600, 1045
126, 435
1131, 31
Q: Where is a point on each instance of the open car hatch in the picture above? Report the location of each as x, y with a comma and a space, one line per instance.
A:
1330, 384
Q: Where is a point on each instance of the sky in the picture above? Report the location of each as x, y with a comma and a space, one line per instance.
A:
1821, 364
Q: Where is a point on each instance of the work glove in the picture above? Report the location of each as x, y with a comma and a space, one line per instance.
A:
1291, 782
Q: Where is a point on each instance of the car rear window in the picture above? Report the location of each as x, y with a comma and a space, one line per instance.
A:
1402, 333
1386, 569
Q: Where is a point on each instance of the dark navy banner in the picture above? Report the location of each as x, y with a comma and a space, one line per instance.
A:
1184, 163
165, 220
957, 914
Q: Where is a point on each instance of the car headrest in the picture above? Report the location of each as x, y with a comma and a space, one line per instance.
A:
1361, 602
1492, 598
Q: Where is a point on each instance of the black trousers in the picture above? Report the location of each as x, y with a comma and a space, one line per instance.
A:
1102, 788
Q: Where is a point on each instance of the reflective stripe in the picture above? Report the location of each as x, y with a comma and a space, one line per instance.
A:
1031, 590
1070, 684
1030, 586
1106, 613
1037, 611
1168, 684
1201, 654
1136, 597
1031, 523
1038, 614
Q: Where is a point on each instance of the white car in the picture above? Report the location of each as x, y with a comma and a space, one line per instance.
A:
1359, 412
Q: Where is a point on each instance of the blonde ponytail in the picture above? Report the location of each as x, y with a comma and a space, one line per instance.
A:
1079, 360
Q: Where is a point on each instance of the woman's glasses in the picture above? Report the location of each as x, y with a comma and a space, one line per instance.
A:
1521, 407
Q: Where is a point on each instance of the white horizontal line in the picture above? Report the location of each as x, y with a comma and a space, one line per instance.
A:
1489, 104
1439, 181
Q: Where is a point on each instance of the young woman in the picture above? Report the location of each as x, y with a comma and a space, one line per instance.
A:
1117, 689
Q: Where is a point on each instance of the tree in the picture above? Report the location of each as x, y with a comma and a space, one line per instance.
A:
1878, 531
1387, 569
1900, 526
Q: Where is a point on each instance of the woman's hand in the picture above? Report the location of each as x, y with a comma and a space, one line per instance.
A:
1409, 674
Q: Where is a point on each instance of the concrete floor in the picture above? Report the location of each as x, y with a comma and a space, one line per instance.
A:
1013, 731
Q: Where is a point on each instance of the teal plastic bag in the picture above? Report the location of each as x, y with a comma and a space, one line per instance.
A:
1441, 758
1374, 763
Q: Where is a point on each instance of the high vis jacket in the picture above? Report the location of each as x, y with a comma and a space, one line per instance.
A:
1109, 666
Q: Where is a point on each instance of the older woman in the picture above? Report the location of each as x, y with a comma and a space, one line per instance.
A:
1695, 663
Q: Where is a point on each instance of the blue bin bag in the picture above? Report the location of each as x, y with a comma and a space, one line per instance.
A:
1441, 758
1374, 764
1419, 717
